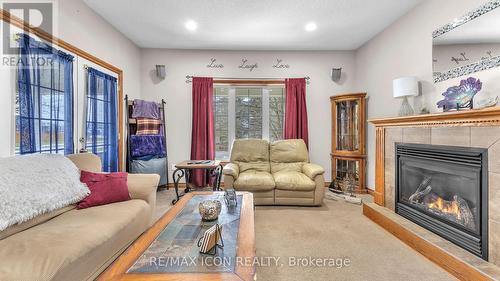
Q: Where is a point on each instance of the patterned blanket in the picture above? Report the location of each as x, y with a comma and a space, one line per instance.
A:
147, 145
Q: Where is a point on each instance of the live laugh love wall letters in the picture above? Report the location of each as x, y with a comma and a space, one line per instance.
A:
245, 64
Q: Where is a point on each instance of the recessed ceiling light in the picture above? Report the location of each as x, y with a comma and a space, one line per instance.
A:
191, 25
311, 26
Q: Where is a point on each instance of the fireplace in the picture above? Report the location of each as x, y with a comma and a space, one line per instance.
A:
445, 189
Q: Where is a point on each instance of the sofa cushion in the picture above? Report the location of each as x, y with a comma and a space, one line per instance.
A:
293, 181
13, 229
74, 245
250, 150
254, 181
289, 151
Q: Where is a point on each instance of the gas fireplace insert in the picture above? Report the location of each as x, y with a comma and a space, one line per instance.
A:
445, 189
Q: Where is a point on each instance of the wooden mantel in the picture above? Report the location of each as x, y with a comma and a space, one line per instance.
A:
454, 118
482, 117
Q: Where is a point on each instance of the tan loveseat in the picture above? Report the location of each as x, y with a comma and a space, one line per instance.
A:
277, 174
71, 244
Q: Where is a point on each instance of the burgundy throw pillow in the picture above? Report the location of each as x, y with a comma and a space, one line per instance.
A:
104, 188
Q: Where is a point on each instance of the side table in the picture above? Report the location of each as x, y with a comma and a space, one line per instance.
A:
184, 169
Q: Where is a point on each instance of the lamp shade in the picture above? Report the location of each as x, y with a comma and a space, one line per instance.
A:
405, 86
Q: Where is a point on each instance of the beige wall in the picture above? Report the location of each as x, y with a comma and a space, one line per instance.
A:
405, 49
82, 27
177, 92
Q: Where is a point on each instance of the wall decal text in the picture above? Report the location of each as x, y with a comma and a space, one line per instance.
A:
462, 58
279, 64
214, 64
488, 56
245, 65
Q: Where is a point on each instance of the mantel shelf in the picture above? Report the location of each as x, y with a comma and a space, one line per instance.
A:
480, 117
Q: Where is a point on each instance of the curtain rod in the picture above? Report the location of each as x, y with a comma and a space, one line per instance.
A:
190, 77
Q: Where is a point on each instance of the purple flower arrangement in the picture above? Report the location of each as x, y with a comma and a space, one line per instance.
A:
459, 97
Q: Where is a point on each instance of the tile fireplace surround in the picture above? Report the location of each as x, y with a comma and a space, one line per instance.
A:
474, 128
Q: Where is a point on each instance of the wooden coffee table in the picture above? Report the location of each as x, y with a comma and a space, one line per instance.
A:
168, 250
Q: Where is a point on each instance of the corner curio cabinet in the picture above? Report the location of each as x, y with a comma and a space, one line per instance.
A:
348, 154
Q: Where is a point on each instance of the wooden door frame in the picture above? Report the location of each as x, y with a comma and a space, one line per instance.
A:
26, 27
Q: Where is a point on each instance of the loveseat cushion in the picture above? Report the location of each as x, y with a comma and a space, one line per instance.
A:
286, 167
254, 181
250, 150
289, 151
74, 245
254, 166
286, 180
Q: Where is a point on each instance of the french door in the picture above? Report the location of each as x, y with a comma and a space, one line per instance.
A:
98, 129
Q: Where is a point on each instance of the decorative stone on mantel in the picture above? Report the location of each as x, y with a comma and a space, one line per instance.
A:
471, 128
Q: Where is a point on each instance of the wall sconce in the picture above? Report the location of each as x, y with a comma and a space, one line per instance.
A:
160, 71
336, 74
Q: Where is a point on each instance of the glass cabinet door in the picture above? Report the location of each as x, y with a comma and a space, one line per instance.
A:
347, 125
345, 168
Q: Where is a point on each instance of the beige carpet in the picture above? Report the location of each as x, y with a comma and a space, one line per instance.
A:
335, 232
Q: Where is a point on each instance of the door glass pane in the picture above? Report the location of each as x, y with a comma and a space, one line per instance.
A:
346, 167
347, 125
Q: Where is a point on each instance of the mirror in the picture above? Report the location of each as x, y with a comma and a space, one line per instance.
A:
468, 44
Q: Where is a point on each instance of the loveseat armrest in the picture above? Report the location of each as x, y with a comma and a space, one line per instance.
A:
231, 169
312, 170
143, 186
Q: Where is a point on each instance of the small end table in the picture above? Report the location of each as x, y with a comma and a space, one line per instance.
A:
184, 168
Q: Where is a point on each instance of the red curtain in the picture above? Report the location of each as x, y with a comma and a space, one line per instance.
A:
296, 110
202, 136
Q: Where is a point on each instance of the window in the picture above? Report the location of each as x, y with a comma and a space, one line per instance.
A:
50, 113
246, 112
44, 101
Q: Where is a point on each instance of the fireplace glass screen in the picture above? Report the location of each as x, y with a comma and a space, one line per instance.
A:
441, 189
445, 189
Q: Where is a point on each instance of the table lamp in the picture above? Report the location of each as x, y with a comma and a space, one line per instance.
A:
405, 87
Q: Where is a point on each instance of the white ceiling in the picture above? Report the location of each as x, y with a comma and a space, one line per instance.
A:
251, 24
